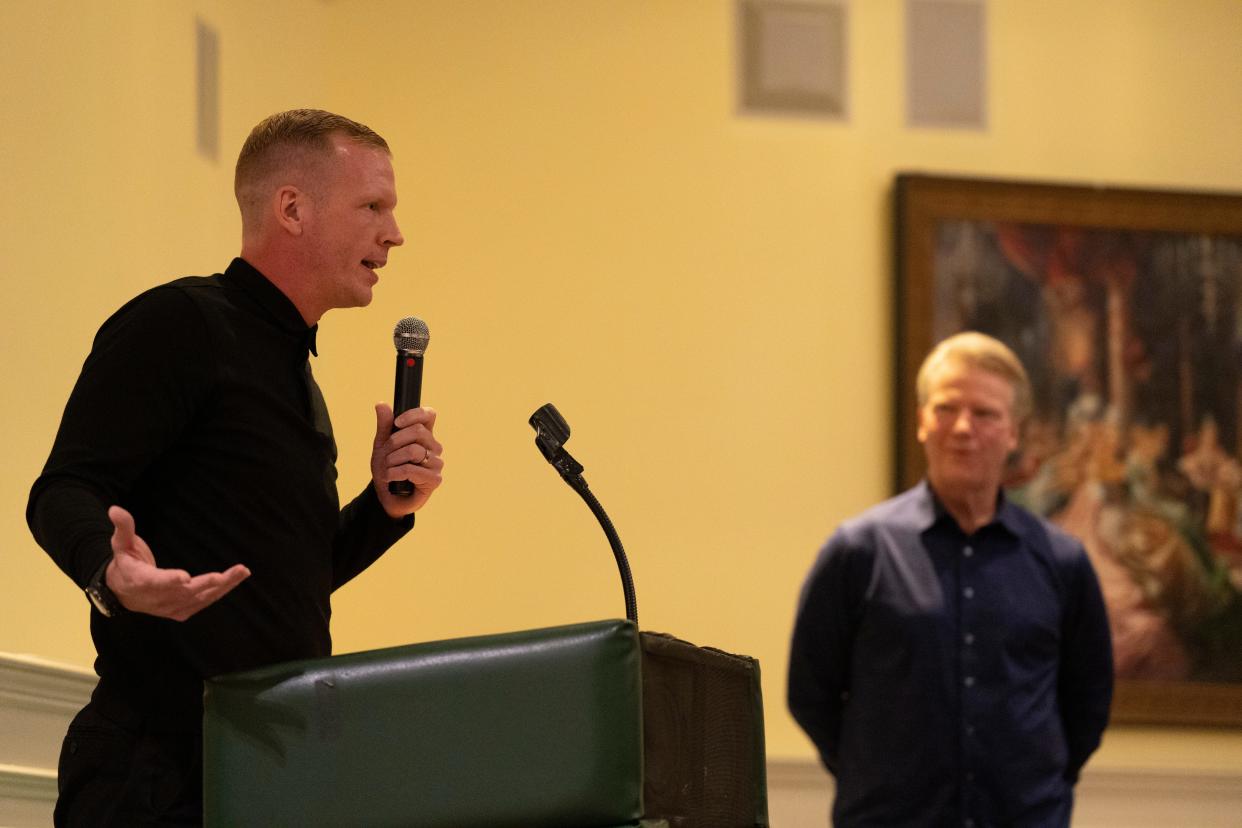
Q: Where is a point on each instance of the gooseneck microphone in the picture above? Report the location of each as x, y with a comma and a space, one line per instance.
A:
551, 432
410, 338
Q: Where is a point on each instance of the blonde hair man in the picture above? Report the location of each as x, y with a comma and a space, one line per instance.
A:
951, 657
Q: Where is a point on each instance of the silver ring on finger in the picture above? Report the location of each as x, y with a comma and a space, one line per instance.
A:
426, 457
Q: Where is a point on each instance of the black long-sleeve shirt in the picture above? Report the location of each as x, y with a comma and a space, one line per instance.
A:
951, 680
196, 411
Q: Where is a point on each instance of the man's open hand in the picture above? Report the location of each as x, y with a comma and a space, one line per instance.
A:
141, 586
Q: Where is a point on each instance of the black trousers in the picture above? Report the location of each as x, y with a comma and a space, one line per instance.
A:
131, 773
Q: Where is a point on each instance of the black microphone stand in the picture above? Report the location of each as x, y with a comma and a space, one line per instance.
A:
551, 432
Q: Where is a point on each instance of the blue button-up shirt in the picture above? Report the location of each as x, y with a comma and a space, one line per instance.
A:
951, 679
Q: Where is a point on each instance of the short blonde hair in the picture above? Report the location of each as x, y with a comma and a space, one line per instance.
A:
281, 142
981, 351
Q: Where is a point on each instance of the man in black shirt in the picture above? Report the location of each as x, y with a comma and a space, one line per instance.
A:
191, 490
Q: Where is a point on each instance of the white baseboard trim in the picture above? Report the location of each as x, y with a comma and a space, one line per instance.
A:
27, 783
27, 797
38, 684
37, 700
39, 697
800, 794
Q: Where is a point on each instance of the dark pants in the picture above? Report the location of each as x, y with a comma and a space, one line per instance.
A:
130, 774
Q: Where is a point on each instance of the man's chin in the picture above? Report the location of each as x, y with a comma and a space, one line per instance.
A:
359, 298
963, 480
364, 290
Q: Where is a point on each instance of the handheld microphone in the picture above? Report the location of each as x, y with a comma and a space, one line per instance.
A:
410, 338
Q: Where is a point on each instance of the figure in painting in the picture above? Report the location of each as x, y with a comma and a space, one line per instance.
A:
1133, 342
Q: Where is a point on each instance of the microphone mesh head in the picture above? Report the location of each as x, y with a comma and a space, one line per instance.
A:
411, 335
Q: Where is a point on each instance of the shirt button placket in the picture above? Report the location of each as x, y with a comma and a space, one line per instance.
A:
969, 663
968, 592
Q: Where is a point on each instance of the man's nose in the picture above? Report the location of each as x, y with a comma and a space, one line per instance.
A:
393, 238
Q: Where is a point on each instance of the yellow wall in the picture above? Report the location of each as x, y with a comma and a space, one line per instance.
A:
705, 297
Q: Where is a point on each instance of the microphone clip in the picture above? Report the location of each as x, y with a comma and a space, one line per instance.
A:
551, 434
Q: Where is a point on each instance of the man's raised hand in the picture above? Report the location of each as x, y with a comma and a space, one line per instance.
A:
141, 586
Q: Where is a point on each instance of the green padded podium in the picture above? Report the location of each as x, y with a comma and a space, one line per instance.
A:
525, 729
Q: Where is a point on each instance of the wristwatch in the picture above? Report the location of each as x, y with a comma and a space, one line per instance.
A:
104, 599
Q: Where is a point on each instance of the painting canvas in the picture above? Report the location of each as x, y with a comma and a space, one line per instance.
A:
1126, 308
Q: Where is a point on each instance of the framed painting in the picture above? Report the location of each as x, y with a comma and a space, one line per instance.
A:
1125, 306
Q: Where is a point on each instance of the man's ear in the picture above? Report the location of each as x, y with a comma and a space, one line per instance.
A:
290, 205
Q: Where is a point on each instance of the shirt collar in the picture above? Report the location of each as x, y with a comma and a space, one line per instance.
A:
273, 302
931, 511
1007, 514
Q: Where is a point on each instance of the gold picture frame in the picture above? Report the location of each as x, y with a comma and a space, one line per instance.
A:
1125, 305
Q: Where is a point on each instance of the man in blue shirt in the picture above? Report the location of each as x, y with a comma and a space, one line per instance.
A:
951, 657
